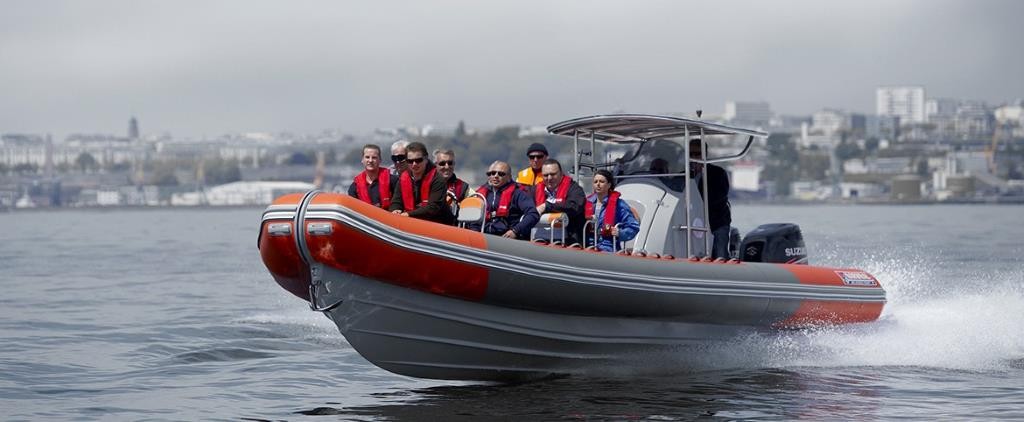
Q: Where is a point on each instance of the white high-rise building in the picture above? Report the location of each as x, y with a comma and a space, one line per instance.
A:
905, 102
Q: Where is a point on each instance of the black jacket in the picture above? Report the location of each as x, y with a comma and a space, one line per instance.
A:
718, 204
436, 208
374, 190
573, 206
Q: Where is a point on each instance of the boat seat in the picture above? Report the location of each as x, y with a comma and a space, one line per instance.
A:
550, 227
472, 210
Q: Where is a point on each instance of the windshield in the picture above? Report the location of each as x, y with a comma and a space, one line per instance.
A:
655, 157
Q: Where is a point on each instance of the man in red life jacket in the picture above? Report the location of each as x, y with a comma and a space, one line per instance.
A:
445, 162
375, 183
559, 193
420, 191
510, 210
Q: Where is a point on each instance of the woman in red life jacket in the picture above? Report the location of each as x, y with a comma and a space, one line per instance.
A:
613, 215
420, 192
374, 184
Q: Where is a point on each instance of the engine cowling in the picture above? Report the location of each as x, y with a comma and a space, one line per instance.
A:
776, 243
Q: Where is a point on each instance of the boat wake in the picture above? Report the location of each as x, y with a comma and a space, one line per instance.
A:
973, 325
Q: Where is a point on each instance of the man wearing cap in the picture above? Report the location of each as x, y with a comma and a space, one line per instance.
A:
531, 176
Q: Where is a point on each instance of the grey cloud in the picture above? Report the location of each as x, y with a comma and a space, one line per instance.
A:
210, 67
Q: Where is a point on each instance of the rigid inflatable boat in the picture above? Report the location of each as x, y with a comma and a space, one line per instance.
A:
428, 300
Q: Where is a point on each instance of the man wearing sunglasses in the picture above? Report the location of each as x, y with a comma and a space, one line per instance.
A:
375, 184
510, 210
398, 164
531, 176
420, 192
445, 161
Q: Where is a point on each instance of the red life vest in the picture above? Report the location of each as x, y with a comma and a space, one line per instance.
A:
613, 203
560, 193
406, 182
383, 186
503, 203
456, 186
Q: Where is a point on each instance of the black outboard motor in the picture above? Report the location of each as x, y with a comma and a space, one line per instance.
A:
777, 243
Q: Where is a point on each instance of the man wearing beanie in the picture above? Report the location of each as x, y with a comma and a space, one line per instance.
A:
530, 176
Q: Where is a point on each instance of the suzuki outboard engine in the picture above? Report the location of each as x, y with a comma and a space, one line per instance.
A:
777, 243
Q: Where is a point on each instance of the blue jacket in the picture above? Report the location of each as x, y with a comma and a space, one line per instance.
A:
628, 226
522, 213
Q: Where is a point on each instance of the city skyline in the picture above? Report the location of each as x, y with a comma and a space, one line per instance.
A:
67, 67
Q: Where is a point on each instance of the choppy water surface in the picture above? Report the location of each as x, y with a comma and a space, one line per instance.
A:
169, 314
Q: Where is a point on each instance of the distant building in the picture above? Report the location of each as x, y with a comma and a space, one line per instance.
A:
973, 120
1011, 118
861, 190
789, 124
240, 193
19, 149
755, 113
133, 129
829, 121
905, 102
940, 107
746, 176
882, 127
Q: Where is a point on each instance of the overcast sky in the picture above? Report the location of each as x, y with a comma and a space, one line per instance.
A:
197, 68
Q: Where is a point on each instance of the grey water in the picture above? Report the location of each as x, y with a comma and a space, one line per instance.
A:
169, 314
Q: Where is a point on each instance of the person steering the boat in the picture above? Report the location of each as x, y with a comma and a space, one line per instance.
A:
531, 176
420, 191
510, 210
559, 193
445, 162
374, 184
719, 209
612, 214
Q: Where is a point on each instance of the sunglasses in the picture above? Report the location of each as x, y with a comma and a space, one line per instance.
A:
416, 160
536, 156
496, 173
446, 163
398, 158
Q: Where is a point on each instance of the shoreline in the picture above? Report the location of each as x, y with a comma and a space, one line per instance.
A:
1008, 201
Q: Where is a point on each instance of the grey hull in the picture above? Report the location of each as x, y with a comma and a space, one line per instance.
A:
418, 334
